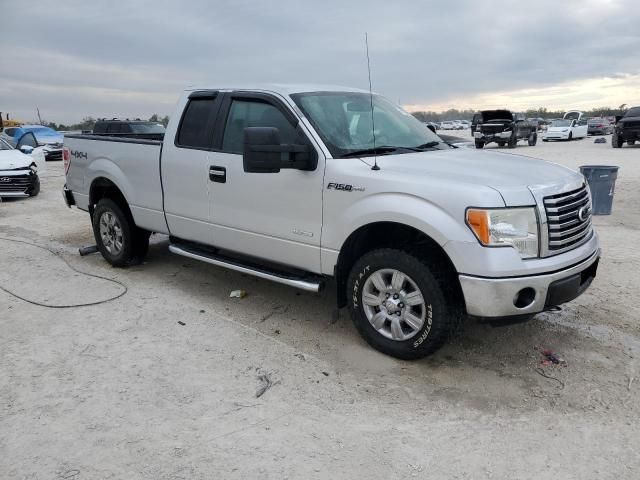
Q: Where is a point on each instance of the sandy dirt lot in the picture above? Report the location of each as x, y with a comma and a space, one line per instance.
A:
121, 390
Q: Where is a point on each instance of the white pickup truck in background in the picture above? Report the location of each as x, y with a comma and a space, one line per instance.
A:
294, 184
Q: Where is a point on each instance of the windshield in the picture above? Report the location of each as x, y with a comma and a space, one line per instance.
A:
561, 123
42, 131
633, 112
344, 121
147, 128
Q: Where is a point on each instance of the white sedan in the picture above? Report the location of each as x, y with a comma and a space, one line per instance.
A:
573, 125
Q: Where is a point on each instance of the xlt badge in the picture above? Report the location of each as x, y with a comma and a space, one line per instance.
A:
344, 187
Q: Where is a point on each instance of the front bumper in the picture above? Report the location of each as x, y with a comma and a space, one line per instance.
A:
17, 184
493, 137
497, 297
555, 135
52, 154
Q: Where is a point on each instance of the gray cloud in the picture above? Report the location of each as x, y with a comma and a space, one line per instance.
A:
131, 58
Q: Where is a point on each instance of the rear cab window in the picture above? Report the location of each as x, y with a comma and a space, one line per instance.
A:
196, 127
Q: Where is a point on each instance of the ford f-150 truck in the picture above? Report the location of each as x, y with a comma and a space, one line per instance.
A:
297, 184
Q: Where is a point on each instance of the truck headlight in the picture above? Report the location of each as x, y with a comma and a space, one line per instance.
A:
506, 227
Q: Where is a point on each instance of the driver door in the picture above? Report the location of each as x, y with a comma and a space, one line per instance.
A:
274, 216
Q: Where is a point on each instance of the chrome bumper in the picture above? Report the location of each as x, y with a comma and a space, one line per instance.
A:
497, 297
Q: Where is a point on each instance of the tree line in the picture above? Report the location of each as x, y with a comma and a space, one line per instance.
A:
467, 114
87, 123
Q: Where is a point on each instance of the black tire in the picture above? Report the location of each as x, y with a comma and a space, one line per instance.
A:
631, 142
513, 142
36, 188
616, 141
442, 312
501, 144
124, 255
570, 136
533, 139
545, 139
479, 144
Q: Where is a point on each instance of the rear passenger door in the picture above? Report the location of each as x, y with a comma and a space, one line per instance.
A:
184, 165
275, 216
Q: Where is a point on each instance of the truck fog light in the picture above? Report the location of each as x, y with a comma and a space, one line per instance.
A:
525, 297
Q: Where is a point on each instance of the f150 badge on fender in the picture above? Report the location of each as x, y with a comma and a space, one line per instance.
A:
344, 188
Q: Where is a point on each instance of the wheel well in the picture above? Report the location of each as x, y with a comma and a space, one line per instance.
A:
105, 188
393, 235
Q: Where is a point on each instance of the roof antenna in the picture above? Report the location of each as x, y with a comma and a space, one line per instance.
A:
373, 125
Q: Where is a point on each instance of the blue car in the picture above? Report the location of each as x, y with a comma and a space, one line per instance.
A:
48, 139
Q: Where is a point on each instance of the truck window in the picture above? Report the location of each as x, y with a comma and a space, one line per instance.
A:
195, 130
253, 113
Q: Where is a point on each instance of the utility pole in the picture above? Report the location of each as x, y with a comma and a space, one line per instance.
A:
39, 118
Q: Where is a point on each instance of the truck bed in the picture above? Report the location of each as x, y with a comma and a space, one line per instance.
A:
103, 157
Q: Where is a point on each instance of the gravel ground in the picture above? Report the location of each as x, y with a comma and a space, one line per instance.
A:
122, 390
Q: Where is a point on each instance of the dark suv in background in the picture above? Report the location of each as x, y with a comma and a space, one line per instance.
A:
627, 128
137, 128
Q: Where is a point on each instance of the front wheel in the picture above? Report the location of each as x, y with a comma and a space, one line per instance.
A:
616, 141
570, 137
479, 144
35, 190
533, 139
398, 304
513, 142
631, 142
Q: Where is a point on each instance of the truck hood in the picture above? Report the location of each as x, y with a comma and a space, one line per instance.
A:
511, 175
14, 160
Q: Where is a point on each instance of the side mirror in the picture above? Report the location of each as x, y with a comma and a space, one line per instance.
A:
263, 152
26, 149
432, 128
28, 140
618, 117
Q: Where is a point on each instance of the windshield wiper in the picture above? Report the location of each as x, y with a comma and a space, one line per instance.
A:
370, 151
426, 145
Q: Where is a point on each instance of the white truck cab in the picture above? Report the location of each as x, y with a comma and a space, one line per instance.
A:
299, 183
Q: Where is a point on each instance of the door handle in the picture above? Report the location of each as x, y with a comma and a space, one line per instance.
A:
218, 174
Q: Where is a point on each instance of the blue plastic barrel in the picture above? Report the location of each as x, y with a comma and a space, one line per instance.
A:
602, 182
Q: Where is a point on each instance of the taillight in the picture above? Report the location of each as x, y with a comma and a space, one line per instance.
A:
65, 158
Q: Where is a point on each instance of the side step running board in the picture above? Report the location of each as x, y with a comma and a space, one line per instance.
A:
309, 283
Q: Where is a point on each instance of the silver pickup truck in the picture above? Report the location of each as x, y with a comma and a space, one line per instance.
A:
297, 184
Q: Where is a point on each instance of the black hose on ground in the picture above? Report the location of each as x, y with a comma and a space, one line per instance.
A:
39, 304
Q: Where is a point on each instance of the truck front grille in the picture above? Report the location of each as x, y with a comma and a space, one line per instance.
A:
568, 219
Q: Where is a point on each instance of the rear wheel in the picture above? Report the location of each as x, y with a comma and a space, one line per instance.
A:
479, 144
399, 305
501, 144
533, 139
117, 237
631, 142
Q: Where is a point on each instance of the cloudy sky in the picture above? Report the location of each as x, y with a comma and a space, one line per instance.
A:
131, 58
